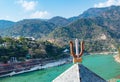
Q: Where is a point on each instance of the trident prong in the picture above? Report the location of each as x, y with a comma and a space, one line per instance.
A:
82, 48
76, 58
71, 50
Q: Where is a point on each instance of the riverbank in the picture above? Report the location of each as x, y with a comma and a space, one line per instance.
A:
105, 53
117, 58
28, 67
103, 65
44, 75
39, 67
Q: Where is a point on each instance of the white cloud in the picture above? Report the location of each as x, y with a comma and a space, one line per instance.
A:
39, 14
28, 5
108, 3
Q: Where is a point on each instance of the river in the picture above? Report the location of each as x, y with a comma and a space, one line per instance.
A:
103, 65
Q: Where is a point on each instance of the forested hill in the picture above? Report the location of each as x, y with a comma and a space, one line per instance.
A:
30, 27
96, 24
59, 21
92, 23
6, 24
105, 12
82, 28
101, 25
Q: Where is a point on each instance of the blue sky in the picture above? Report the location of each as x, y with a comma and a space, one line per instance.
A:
16, 10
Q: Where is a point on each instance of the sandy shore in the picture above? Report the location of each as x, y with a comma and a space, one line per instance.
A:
105, 53
117, 58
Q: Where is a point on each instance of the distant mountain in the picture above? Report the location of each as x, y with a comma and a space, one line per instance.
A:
72, 19
6, 24
82, 28
97, 37
90, 13
96, 24
59, 21
91, 19
30, 27
109, 19
98, 12
93, 12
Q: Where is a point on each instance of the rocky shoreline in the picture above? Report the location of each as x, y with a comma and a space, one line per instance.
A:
106, 53
20, 70
117, 58
32, 65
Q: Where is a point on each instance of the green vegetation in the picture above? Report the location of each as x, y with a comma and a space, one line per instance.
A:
24, 48
99, 27
92, 26
6, 24
97, 39
30, 27
59, 21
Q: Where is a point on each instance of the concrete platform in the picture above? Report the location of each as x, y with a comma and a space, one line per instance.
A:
79, 73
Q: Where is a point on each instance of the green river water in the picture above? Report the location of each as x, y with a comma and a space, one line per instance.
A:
103, 65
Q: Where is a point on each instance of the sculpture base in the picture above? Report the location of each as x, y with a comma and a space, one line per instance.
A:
75, 60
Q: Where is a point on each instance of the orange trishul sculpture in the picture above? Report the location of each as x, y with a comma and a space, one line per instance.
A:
76, 57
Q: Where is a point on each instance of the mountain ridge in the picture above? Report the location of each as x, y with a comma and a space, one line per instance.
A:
98, 24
